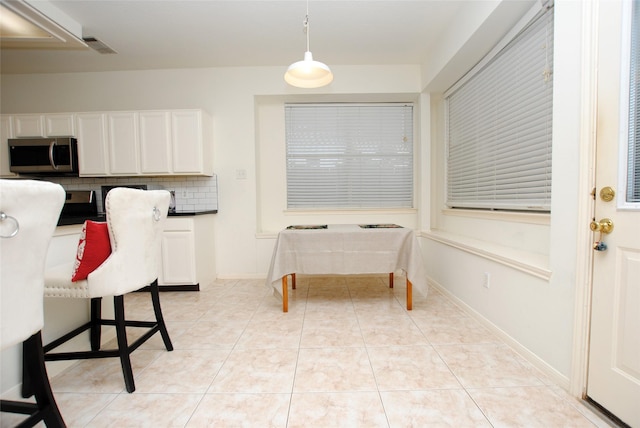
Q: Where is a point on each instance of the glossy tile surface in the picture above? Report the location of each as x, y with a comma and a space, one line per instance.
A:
347, 354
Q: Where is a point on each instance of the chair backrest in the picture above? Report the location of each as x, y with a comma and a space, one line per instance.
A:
29, 210
136, 220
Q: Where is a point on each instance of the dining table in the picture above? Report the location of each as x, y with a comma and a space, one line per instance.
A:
346, 249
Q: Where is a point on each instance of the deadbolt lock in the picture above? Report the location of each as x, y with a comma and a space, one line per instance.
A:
603, 226
607, 194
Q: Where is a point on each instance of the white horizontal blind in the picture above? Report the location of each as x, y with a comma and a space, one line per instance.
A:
349, 155
499, 127
633, 155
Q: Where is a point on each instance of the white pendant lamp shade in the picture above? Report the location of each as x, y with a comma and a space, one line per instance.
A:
308, 73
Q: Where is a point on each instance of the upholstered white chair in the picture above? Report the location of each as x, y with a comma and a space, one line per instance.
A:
135, 220
29, 212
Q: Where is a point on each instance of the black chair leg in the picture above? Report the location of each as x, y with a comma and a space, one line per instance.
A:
27, 388
123, 347
155, 298
96, 324
46, 408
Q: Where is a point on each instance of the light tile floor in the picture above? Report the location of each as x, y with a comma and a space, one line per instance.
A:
347, 354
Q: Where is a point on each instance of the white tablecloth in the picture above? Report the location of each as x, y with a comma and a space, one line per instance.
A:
347, 249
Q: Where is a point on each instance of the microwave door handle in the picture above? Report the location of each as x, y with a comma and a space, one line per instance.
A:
51, 148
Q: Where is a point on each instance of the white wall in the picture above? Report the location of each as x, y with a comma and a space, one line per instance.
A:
532, 259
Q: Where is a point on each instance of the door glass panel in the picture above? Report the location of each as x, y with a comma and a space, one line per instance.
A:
633, 154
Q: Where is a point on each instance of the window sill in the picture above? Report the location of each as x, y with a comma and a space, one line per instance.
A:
516, 217
524, 261
348, 211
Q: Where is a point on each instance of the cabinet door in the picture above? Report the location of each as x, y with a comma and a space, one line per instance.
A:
92, 144
6, 132
178, 258
155, 142
123, 143
59, 125
28, 125
186, 129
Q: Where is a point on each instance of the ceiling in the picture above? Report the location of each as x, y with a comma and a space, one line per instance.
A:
160, 34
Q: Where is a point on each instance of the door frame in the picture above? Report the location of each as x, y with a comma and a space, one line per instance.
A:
586, 203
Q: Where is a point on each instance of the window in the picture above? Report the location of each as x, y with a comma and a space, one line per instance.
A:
499, 126
633, 154
342, 156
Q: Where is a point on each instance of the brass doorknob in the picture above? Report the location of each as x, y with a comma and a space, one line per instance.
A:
604, 226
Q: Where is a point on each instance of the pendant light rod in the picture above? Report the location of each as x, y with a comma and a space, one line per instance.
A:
306, 29
308, 73
306, 26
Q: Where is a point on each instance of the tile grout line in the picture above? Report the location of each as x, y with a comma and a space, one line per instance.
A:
204, 394
295, 370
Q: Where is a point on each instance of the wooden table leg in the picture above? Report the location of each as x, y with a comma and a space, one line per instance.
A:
293, 281
285, 295
409, 295
391, 280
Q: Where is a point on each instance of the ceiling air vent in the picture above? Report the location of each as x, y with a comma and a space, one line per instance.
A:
98, 46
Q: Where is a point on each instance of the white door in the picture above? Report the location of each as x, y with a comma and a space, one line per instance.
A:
614, 351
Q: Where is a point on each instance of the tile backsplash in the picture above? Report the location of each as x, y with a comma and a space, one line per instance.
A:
192, 193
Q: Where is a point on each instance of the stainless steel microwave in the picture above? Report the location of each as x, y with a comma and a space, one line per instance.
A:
43, 156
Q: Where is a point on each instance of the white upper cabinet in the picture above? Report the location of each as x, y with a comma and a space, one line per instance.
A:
59, 125
28, 125
155, 142
189, 130
44, 125
175, 142
123, 143
92, 144
126, 143
6, 132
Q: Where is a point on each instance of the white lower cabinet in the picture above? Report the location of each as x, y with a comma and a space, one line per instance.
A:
187, 251
178, 253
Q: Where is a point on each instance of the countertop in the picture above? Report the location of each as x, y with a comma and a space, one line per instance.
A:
66, 221
179, 213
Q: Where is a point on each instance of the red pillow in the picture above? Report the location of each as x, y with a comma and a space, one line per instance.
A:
93, 249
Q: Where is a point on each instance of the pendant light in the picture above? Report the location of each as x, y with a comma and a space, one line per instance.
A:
308, 73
